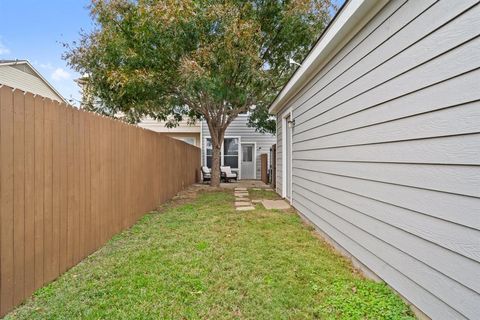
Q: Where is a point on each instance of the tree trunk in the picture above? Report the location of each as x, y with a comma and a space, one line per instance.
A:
217, 132
216, 155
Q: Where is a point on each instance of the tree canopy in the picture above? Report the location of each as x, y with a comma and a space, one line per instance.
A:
172, 58
209, 59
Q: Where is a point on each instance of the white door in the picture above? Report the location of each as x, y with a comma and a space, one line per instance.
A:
288, 166
248, 161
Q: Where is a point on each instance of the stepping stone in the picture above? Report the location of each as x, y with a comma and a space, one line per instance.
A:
257, 201
256, 189
245, 208
241, 199
275, 204
242, 203
240, 189
241, 194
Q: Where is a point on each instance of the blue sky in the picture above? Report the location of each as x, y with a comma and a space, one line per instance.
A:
35, 30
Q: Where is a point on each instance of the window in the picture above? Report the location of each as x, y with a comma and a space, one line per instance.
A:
208, 149
230, 152
247, 153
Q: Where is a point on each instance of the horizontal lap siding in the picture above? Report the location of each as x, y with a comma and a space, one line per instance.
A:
385, 152
16, 78
69, 181
239, 128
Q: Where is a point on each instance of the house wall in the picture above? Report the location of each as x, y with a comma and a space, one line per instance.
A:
13, 76
183, 131
239, 127
386, 152
159, 126
186, 137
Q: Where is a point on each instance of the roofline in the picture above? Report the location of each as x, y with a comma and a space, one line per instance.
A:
38, 73
342, 24
10, 62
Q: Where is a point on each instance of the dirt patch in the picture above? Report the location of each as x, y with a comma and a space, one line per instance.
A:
187, 195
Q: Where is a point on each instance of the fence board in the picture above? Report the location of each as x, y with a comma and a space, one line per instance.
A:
19, 195
48, 268
55, 117
70, 188
39, 189
62, 124
6, 197
29, 194
69, 181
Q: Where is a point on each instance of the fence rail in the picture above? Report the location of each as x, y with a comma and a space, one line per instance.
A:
69, 181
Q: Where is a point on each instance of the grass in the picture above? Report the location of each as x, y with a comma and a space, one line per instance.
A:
263, 194
203, 260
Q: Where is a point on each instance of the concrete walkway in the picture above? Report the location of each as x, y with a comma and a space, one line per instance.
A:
244, 203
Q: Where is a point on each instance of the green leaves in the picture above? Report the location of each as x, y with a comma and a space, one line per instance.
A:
215, 57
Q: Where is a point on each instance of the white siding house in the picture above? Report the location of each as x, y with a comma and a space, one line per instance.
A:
378, 145
20, 74
242, 148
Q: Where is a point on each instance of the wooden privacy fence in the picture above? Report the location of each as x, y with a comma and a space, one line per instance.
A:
69, 181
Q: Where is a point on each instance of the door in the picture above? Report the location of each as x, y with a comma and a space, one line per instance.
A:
288, 158
248, 161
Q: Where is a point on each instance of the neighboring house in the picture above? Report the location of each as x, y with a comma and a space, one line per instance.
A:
189, 133
20, 74
185, 131
242, 144
241, 149
378, 145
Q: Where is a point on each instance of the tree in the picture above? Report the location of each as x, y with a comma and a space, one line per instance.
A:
202, 59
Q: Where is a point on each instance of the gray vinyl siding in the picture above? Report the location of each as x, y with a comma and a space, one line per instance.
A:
386, 152
239, 128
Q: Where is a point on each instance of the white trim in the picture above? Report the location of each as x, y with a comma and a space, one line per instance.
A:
347, 20
285, 115
254, 155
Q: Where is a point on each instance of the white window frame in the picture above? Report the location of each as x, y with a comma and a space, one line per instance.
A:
285, 115
239, 170
254, 155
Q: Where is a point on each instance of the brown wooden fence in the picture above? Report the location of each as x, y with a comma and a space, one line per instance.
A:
264, 168
69, 181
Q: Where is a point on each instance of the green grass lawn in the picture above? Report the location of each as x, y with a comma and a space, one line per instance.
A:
203, 260
263, 194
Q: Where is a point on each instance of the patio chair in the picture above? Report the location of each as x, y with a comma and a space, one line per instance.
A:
206, 174
227, 174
